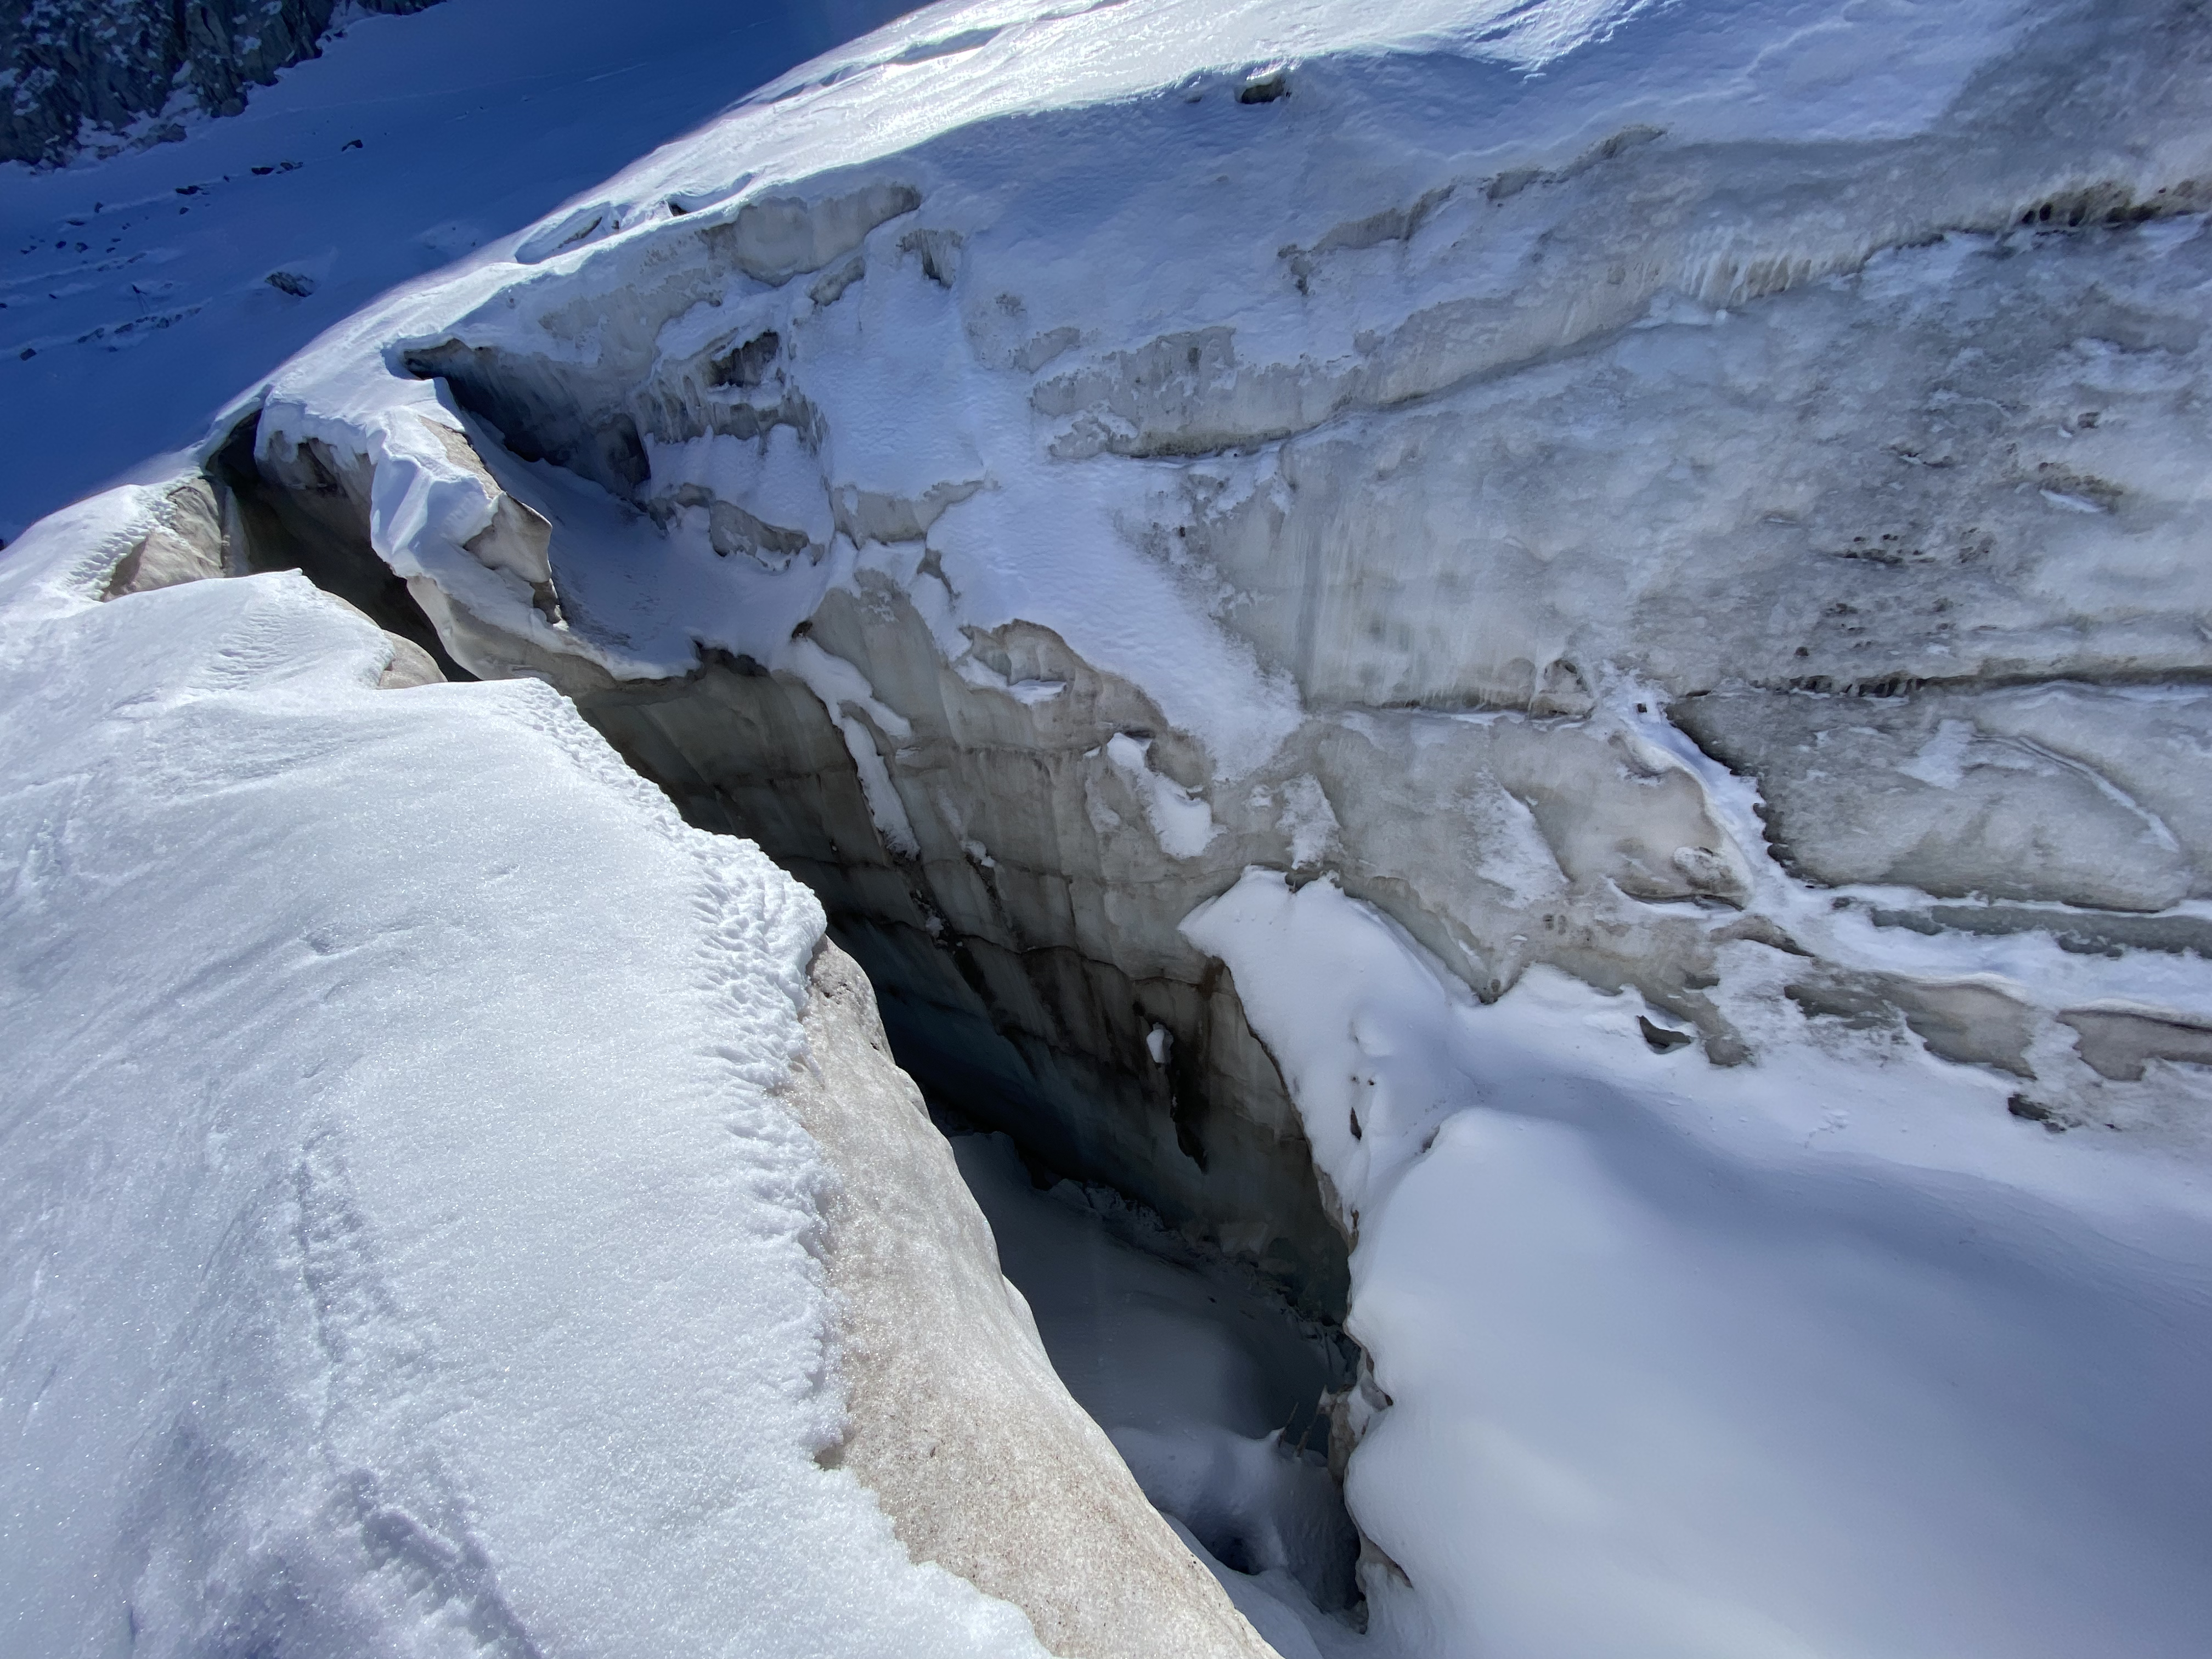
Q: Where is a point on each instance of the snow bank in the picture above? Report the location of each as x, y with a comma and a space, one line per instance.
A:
407, 1249
1812, 1357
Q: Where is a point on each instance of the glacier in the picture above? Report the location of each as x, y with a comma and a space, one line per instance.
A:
1537, 669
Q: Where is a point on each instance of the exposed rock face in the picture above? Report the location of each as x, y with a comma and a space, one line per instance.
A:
74, 72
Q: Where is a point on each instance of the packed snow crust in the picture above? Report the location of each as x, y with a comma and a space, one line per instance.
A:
407, 1250
1633, 574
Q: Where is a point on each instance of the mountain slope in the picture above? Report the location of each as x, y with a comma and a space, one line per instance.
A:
135, 296
88, 73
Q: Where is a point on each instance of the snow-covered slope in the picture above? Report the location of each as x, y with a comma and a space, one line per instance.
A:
1566, 638
135, 291
1827, 1355
437, 1187
105, 73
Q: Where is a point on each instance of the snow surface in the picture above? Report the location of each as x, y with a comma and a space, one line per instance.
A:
1685, 1362
405, 1252
1182, 822
474, 118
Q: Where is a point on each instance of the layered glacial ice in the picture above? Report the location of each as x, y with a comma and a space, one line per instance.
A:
1538, 667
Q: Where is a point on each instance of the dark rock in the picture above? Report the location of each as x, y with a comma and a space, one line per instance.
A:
70, 70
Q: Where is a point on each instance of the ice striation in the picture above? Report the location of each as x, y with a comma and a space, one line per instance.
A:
1538, 668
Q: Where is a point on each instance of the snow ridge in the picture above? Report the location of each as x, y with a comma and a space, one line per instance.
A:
408, 1250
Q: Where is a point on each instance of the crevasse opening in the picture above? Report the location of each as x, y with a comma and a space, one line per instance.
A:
1213, 1387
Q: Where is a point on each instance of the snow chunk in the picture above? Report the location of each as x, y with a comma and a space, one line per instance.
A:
1028, 693
885, 808
1182, 822
1308, 820
840, 686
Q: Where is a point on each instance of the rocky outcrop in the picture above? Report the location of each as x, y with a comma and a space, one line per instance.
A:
99, 72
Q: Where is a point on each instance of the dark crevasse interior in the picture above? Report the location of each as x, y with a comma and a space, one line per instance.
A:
1026, 986
1209, 1384
1033, 986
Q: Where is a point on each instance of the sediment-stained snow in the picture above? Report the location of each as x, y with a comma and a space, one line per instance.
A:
405, 1250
